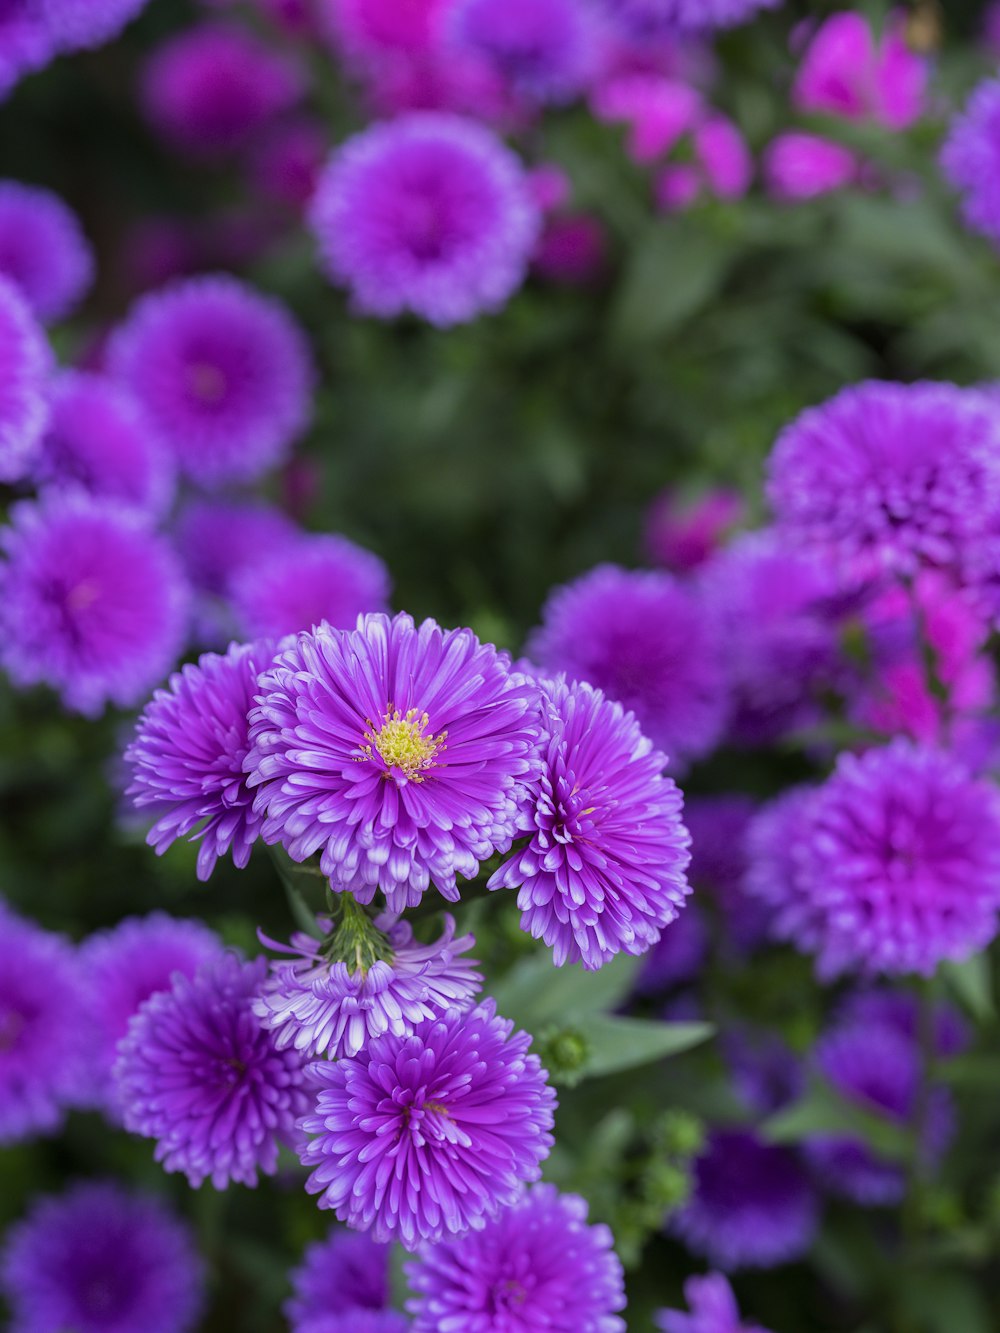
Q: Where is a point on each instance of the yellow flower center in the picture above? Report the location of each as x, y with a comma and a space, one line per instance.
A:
402, 743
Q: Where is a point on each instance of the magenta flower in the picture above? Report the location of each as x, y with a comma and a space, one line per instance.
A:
802, 166
431, 213
75, 24
721, 166
712, 1309
372, 30
681, 535
347, 1272
26, 42
846, 73
25, 363
43, 250
425, 1136
657, 110
286, 163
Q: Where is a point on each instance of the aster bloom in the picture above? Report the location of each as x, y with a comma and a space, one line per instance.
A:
123, 967
681, 535
323, 1006
644, 20
678, 956
970, 157
766, 1073
186, 758
891, 866
75, 24
25, 362
751, 1205
218, 539
26, 42
99, 1259
544, 50
43, 1029
430, 213
371, 30
286, 163
301, 584
898, 1010
223, 373
397, 751
43, 250
887, 478
347, 1272
538, 1264
97, 440
646, 641
212, 88
712, 1309
845, 72
802, 166
428, 1135
199, 1074
91, 602
604, 870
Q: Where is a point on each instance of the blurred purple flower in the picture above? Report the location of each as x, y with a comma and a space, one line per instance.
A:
680, 535
798, 165
286, 162
348, 1271
370, 30
43, 250
846, 73
76, 24
544, 50
26, 42
25, 364
712, 1309
646, 20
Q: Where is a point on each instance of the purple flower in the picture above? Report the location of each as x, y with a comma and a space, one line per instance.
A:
429, 213
26, 42
123, 967
286, 162
25, 362
324, 1007
428, 1135
301, 584
188, 752
712, 1307
645, 640
604, 870
751, 1204
892, 477
765, 1071
682, 535
43, 250
970, 159
900, 1011
357, 1321
846, 73
224, 375
678, 956
544, 50
536, 1265
397, 751
43, 1029
85, 23
892, 865
644, 20
98, 1259
212, 88
91, 602
200, 1075
718, 826
218, 539
98, 441
346, 1272
801, 166
371, 30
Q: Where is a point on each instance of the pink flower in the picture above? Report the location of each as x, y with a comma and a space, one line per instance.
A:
657, 111
802, 166
845, 72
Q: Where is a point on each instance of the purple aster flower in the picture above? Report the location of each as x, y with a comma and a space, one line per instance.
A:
429, 213
85, 23
25, 362
891, 478
224, 374
645, 20
123, 967
212, 88
218, 539
545, 50
680, 535
371, 30
346, 1272
187, 756
199, 1074
43, 250
357, 1321
970, 159
26, 41
98, 440
719, 826
98, 1259
91, 602
712, 1309
325, 1007
536, 1265
604, 870
428, 1135
678, 956
890, 866
899, 1010
751, 1205
299, 585
397, 751
765, 1071
645, 640
43, 1029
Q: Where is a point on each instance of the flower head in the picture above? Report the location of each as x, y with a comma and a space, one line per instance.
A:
346, 1272
845, 72
429, 213
604, 870
681, 536
25, 362
200, 1075
644, 20
971, 156
26, 42
77, 24
537, 1264
43, 250
43, 1029
374, 30
91, 602
397, 751
223, 373
646, 641
544, 50
428, 1135
712, 1309
98, 1259
798, 165
218, 539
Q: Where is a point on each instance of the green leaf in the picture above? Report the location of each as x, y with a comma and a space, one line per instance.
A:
535, 992
821, 1111
301, 883
676, 271
622, 1043
972, 983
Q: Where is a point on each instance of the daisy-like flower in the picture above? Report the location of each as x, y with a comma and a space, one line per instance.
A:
223, 373
43, 250
544, 50
645, 20
187, 756
25, 364
198, 1073
326, 1006
712, 1308
604, 870
971, 156
428, 1135
92, 603
346, 1272
429, 213
98, 1259
370, 31
397, 751
219, 538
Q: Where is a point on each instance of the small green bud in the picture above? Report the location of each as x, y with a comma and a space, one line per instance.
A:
564, 1052
679, 1134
